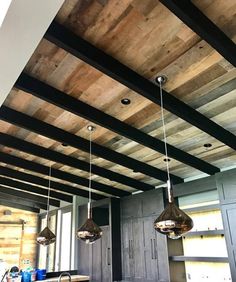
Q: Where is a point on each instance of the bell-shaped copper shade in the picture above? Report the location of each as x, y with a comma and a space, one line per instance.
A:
89, 232
46, 237
173, 222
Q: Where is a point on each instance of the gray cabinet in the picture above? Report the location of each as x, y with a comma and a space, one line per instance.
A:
137, 249
229, 220
106, 254
127, 250
95, 259
151, 271
226, 185
133, 252
144, 251
131, 206
155, 253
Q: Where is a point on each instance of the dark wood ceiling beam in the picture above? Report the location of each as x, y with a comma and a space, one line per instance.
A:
23, 176
28, 196
45, 129
62, 175
189, 14
15, 205
30, 188
68, 103
88, 53
20, 201
27, 147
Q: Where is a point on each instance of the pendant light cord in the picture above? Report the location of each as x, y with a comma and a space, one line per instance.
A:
90, 173
165, 143
49, 187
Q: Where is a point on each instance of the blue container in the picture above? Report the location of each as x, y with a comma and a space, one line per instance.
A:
41, 274
26, 276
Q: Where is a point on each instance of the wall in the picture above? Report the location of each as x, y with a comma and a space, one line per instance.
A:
15, 248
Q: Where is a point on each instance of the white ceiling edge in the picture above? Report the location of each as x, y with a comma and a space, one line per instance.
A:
22, 29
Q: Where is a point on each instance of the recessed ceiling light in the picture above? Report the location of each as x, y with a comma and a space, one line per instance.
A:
207, 145
125, 101
4, 6
64, 144
166, 160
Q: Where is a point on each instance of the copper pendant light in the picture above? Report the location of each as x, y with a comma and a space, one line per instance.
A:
89, 232
172, 222
46, 236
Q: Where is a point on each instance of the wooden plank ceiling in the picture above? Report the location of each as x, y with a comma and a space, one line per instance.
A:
98, 52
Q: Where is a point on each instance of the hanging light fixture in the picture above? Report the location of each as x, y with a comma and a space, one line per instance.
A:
172, 222
89, 232
46, 236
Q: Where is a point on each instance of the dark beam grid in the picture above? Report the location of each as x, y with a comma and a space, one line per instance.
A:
45, 129
49, 154
21, 206
38, 180
189, 14
68, 103
30, 188
62, 175
85, 51
29, 196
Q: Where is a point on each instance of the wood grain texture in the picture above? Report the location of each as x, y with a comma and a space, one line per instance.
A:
148, 38
11, 237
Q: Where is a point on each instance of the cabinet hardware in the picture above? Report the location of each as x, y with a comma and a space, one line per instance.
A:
108, 256
155, 248
151, 249
129, 250
132, 249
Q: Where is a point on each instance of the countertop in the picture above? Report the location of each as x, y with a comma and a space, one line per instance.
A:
65, 278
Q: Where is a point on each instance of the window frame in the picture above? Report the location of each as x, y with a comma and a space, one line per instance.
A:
40, 219
63, 211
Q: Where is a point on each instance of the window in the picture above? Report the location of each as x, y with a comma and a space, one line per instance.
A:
205, 252
47, 254
57, 256
65, 239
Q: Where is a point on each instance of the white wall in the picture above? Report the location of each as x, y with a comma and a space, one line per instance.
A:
23, 27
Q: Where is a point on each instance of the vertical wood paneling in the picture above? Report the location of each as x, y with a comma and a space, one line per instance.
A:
14, 247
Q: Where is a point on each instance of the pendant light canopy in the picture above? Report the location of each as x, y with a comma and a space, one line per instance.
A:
89, 232
46, 236
172, 222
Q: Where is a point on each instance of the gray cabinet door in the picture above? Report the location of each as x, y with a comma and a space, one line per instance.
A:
156, 253
96, 261
137, 246
152, 203
131, 207
106, 254
161, 249
150, 251
226, 185
127, 250
229, 220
